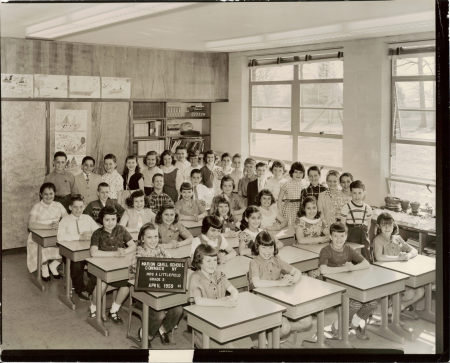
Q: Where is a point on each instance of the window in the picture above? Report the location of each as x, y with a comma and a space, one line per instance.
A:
413, 141
296, 112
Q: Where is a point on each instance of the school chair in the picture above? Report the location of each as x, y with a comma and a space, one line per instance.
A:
132, 309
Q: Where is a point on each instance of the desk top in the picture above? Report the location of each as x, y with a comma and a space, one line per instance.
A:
306, 290
366, 279
76, 246
285, 233
249, 307
237, 266
180, 252
318, 247
292, 255
414, 267
191, 224
408, 221
44, 233
108, 264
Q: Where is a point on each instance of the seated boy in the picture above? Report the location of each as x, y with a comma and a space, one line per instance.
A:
74, 227
158, 198
339, 257
94, 208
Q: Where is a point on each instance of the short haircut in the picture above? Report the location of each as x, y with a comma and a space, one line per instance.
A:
164, 154
201, 251
146, 226
158, 218
237, 155
110, 156
386, 217
102, 185
264, 238
151, 153
156, 175
278, 164
211, 222
76, 198
108, 210
185, 186
59, 153
314, 167
195, 171
261, 164
263, 193
309, 199
181, 147
225, 155
357, 184
346, 174
225, 179
297, 166
47, 186
338, 227
136, 194
249, 161
332, 173
86, 158
209, 152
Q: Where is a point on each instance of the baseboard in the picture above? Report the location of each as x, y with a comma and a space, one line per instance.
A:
14, 251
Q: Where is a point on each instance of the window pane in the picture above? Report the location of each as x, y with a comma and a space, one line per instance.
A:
416, 161
321, 70
321, 95
271, 146
414, 66
327, 121
419, 95
320, 150
414, 193
416, 125
275, 96
281, 73
271, 118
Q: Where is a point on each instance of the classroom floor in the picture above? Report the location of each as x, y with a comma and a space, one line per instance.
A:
38, 320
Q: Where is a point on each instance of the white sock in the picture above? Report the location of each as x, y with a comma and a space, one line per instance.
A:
114, 308
335, 324
44, 270
161, 330
356, 320
362, 323
53, 265
93, 308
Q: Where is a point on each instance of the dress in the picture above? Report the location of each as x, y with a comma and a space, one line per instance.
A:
274, 185
170, 184
115, 182
190, 208
330, 204
46, 214
268, 216
291, 205
310, 227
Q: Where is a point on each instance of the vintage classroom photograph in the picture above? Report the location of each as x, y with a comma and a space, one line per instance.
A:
224, 180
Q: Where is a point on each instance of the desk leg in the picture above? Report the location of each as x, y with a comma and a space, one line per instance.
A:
343, 326
97, 323
276, 338
270, 339
205, 341
320, 343
422, 241
262, 340
384, 331
427, 314
144, 343
397, 326
38, 280
66, 298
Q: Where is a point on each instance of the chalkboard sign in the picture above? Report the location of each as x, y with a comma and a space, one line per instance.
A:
161, 274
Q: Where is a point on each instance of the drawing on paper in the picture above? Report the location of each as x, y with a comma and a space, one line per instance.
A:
50, 86
17, 85
116, 87
70, 120
72, 143
84, 87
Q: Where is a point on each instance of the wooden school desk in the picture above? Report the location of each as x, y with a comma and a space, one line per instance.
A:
236, 271
307, 297
107, 269
43, 238
318, 247
185, 251
422, 272
366, 285
286, 235
253, 314
300, 259
73, 251
194, 227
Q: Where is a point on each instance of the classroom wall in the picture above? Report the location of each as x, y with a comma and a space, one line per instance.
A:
367, 120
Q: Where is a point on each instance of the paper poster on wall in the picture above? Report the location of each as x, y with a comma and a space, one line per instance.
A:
50, 86
17, 85
116, 87
84, 87
70, 120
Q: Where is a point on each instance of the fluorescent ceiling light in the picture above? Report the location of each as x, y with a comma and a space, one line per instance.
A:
97, 16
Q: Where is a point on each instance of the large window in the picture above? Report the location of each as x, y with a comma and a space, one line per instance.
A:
296, 112
413, 141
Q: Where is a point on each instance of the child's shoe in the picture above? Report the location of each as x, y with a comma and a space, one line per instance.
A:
360, 333
44, 273
116, 319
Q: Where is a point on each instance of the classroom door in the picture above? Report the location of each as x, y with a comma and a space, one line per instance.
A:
23, 166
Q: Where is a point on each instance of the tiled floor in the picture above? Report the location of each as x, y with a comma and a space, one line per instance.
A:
38, 320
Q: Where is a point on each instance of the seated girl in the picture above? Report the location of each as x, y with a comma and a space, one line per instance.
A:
172, 233
237, 204
45, 215
268, 270
137, 213
223, 212
272, 220
212, 236
309, 227
188, 208
388, 245
111, 240
160, 322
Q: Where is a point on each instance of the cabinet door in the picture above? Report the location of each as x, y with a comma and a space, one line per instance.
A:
23, 166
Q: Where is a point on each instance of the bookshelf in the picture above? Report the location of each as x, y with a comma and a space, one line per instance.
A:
166, 125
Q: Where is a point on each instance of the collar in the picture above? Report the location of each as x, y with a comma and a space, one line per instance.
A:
311, 221
45, 204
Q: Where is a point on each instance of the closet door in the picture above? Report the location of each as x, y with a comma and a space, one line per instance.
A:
23, 166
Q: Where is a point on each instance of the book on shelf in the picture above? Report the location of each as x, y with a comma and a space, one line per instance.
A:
155, 127
144, 146
141, 129
191, 144
173, 128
